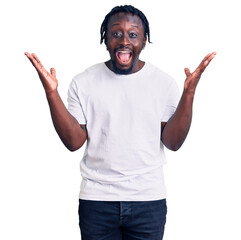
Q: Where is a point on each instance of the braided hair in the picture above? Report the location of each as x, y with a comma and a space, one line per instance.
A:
125, 9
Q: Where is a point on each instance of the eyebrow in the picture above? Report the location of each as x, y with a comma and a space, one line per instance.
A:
117, 24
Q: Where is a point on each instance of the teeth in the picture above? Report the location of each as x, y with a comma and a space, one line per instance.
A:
124, 51
124, 56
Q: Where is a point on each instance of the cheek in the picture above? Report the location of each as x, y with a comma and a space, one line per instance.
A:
138, 46
138, 42
110, 44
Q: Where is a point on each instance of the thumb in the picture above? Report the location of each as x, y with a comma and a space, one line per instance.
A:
187, 72
53, 72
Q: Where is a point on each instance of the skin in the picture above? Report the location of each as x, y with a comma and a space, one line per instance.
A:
125, 33
70, 132
175, 131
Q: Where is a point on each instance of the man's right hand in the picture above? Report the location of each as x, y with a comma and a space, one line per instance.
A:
48, 80
69, 130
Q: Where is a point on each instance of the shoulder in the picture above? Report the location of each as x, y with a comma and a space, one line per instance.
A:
159, 75
88, 77
89, 72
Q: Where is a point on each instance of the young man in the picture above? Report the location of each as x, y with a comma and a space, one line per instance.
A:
127, 110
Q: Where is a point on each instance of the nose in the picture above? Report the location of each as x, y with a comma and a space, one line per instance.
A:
125, 40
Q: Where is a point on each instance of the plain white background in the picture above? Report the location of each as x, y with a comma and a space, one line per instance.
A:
39, 178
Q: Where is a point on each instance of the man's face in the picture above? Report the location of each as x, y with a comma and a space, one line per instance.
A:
125, 40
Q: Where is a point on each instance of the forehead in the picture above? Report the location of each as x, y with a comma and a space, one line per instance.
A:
125, 18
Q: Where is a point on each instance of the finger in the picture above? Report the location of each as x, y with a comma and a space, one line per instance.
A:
37, 60
187, 72
35, 57
36, 63
204, 60
210, 57
31, 59
202, 66
26, 54
53, 72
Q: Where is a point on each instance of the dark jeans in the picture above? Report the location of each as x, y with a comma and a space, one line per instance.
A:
103, 220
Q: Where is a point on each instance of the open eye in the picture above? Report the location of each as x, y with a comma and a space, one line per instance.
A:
116, 34
133, 35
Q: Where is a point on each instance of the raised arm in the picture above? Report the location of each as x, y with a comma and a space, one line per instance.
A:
174, 132
70, 132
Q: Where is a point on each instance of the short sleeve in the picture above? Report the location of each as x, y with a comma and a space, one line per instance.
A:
75, 106
172, 102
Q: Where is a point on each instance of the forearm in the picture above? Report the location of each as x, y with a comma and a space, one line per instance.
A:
177, 128
67, 127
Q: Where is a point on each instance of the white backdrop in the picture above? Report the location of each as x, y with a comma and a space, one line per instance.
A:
39, 178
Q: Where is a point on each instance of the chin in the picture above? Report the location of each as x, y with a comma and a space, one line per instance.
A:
121, 71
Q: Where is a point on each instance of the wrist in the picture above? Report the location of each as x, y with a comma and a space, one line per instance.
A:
51, 94
189, 90
189, 93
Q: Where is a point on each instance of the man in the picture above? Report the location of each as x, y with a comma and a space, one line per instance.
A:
127, 110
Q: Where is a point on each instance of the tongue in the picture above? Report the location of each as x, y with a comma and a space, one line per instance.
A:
124, 57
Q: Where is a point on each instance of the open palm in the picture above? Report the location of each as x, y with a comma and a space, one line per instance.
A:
192, 79
48, 80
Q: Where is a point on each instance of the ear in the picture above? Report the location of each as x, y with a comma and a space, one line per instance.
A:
144, 43
105, 41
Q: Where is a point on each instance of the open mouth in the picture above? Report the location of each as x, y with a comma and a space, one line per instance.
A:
124, 57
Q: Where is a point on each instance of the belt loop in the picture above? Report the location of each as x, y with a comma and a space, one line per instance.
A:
121, 209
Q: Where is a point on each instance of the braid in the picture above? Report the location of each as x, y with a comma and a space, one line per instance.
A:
126, 9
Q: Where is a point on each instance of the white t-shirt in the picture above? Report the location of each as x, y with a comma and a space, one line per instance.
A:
124, 154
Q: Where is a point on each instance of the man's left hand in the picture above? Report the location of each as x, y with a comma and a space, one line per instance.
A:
192, 79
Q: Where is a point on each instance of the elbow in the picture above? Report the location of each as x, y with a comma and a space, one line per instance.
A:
73, 143
71, 148
172, 146
74, 146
